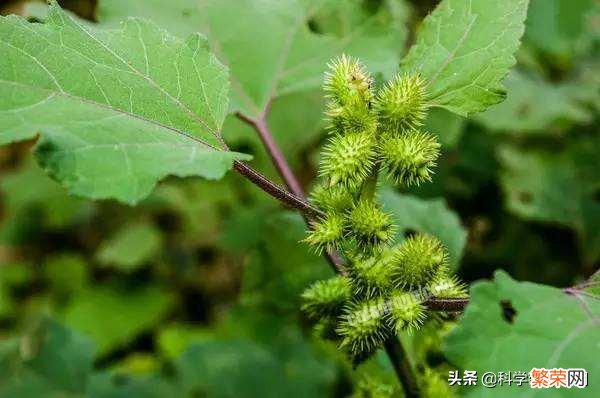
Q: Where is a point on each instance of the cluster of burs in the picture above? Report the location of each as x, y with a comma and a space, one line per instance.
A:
384, 286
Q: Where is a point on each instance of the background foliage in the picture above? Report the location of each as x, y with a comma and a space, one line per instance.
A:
196, 290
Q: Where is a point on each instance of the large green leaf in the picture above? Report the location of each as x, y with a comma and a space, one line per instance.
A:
516, 326
431, 216
464, 49
112, 317
268, 44
535, 106
556, 187
117, 110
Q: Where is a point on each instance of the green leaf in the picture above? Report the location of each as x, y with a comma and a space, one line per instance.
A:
464, 49
116, 110
66, 274
112, 317
556, 187
535, 106
130, 247
516, 326
560, 28
431, 216
448, 126
50, 361
278, 268
34, 203
273, 52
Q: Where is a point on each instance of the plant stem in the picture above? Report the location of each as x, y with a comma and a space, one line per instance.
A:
290, 180
402, 367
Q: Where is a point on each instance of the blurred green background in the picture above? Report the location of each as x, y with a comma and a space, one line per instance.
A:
196, 290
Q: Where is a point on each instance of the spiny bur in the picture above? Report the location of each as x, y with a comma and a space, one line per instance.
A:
410, 157
417, 260
326, 298
327, 233
446, 286
363, 327
335, 199
371, 277
348, 159
406, 312
347, 81
401, 104
368, 225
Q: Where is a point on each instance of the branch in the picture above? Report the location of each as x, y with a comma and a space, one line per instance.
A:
275, 190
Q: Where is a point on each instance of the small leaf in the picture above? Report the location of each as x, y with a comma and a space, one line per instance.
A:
464, 49
516, 326
116, 110
130, 247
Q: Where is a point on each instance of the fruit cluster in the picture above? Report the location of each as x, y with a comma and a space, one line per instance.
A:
373, 133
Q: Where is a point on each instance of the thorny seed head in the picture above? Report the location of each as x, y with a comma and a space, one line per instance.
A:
332, 199
362, 326
406, 312
371, 276
348, 160
410, 157
369, 225
444, 285
417, 260
327, 233
354, 117
347, 81
401, 105
326, 298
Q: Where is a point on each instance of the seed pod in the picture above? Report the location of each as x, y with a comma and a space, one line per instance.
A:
327, 233
354, 117
444, 285
332, 199
401, 105
417, 260
371, 277
326, 329
347, 81
369, 225
362, 326
406, 312
326, 298
410, 157
348, 160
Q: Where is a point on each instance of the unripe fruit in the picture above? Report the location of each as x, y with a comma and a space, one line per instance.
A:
446, 286
406, 312
326, 298
347, 81
417, 260
348, 160
363, 327
371, 277
410, 157
369, 225
335, 199
326, 233
401, 105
